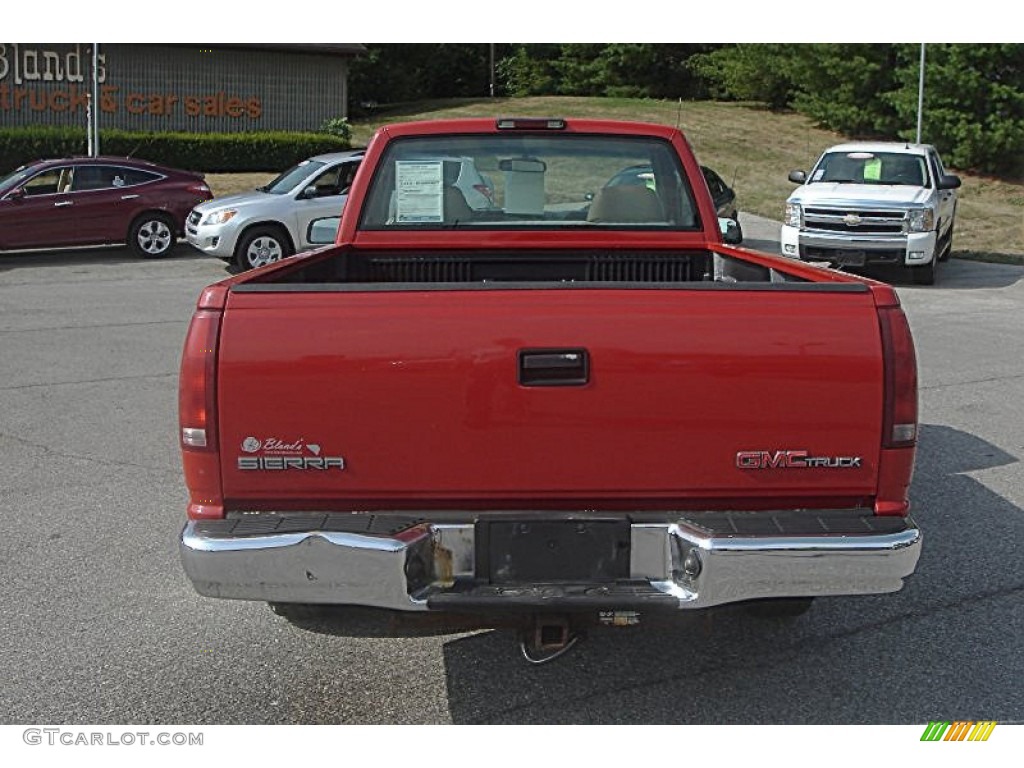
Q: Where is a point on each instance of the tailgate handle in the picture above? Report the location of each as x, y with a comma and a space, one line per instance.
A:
554, 367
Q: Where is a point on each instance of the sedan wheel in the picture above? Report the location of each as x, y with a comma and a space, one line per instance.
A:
151, 236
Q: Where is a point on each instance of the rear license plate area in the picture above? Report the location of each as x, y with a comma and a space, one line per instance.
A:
552, 552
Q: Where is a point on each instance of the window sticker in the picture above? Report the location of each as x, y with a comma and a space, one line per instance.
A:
420, 192
818, 174
873, 169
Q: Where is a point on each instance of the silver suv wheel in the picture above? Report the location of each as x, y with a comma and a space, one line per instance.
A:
263, 250
262, 245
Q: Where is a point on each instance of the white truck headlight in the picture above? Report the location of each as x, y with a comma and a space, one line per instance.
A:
218, 217
793, 215
920, 220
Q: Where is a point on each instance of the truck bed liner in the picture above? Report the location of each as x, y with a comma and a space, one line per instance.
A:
351, 266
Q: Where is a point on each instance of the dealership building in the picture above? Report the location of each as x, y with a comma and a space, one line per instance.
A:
177, 87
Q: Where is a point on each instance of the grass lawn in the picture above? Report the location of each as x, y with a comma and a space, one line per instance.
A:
753, 149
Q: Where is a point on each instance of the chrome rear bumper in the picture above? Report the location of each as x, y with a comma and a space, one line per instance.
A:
695, 560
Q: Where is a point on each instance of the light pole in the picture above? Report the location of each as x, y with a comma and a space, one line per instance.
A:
920, 95
88, 125
94, 101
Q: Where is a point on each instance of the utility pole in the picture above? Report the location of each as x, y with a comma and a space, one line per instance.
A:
920, 95
88, 124
94, 102
492, 70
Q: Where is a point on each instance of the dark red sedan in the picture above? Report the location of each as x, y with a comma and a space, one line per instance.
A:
95, 201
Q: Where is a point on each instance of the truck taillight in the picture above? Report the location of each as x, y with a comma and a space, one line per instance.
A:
196, 395
899, 423
197, 415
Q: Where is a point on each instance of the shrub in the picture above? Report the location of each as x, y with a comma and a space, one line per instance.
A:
337, 126
207, 152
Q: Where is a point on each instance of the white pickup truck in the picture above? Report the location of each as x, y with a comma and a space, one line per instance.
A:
873, 203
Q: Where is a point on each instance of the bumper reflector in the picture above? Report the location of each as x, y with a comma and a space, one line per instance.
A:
195, 438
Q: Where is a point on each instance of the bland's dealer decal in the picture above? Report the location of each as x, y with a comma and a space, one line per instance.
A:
272, 453
793, 460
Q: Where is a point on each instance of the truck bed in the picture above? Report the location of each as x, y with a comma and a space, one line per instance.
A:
565, 268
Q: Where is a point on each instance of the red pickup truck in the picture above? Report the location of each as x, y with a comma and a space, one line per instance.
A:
572, 401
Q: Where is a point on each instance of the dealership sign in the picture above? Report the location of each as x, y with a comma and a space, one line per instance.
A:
51, 81
29, 65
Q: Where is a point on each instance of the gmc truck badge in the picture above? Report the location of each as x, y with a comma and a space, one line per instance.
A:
793, 460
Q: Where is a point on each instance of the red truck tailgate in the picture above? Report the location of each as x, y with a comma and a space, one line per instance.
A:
356, 398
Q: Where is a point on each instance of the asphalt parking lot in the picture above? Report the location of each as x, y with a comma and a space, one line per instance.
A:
101, 625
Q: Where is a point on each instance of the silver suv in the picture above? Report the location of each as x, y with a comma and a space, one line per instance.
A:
269, 223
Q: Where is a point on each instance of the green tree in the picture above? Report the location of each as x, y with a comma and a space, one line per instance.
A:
394, 73
638, 70
973, 104
748, 72
528, 70
846, 87
581, 70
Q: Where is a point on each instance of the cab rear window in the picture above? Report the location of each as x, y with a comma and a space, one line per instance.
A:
529, 181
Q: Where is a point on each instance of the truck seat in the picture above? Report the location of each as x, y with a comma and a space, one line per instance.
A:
904, 171
456, 208
626, 204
